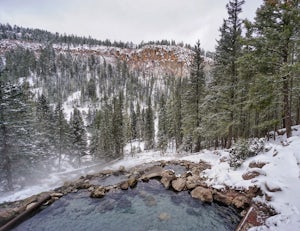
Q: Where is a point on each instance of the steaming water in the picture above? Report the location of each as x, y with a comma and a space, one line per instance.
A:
109, 180
178, 169
147, 207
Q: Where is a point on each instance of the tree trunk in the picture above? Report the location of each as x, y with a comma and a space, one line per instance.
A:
286, 107
7, 161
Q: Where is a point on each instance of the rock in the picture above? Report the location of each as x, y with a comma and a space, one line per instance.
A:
195, 171
272, 187
204, 194
241, 202
167, 177
152, 172
132, 182
253, 191
192, 181
257, 164
164, 216
107, 172
224, 159
203, 166
92, 188
29, 206
281, 132
31, 199
250, 175
98, 192
122, 168
223, 198
124, 185
268, 197
179, 184
56, 194
6, 215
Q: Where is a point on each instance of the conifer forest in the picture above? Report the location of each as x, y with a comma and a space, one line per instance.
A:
70, 100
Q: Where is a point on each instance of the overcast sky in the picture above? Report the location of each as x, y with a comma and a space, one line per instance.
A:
126, 20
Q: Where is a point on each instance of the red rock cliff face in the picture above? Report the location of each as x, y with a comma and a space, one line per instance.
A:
150, 59
162, 60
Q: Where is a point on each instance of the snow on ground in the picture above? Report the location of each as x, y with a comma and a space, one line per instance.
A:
281, 171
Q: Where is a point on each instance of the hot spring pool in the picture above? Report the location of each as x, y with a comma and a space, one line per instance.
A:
147, 207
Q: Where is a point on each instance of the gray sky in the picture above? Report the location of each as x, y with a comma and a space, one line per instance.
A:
126, 20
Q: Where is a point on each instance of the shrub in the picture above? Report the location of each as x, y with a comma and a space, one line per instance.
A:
244, 149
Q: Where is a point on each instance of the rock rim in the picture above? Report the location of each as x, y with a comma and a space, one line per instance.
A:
191, 181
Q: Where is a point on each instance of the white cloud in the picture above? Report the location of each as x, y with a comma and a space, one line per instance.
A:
127, 20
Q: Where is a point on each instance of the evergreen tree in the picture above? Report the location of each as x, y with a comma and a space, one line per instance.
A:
62, 134
45, 128
79, 139
162, 125
16, 135
192, 101
277, 26
174, 112
133, 122
149, 126
117, 126
226, 76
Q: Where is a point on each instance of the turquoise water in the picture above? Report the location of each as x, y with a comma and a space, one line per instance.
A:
147, 207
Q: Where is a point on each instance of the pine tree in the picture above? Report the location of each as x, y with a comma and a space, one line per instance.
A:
193, 98
226, 76
174, 112
62, 134
16, 134
117, 126
133, 122
79, 139
149, 126
162, 125
45, 128
277, 25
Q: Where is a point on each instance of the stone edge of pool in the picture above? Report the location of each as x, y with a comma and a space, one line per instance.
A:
253, 214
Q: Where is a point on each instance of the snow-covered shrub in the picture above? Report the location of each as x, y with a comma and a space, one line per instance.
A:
244, 149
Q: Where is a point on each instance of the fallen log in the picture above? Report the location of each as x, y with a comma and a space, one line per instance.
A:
21, 217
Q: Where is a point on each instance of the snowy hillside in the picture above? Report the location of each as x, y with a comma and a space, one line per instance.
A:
159, 59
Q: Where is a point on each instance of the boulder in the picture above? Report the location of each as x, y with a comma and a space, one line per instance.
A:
152, 172
250, 175
203, 166
81, 184
253, 191
179, 184
124, 185
193, 181
254, 164
56, 194
204, 194
132, 181
166, 177
241, 202
271, 187
222, 198
98, 192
